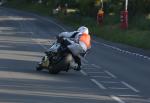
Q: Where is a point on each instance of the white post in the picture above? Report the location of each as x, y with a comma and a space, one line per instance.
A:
102, 4
126, 5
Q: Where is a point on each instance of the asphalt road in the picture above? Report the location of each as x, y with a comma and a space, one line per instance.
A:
109, 74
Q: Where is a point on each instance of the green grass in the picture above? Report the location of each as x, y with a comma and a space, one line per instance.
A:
138, 33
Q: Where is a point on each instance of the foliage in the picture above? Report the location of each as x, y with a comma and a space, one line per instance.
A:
139, 17
89, 7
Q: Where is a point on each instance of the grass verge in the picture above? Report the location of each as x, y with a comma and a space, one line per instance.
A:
137, 35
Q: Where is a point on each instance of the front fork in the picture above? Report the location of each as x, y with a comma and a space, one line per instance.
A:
44, 63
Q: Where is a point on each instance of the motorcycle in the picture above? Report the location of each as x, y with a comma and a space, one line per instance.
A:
57, 59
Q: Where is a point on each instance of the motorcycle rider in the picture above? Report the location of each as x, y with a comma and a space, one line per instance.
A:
79, 42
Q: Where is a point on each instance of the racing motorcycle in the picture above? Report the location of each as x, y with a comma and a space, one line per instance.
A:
57, 58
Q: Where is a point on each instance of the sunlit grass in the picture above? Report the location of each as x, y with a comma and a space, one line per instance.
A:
148, 16
71, 10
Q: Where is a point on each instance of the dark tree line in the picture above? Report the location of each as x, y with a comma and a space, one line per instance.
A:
90, 7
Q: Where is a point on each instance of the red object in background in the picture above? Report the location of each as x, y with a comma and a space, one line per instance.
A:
124, 19
100, 16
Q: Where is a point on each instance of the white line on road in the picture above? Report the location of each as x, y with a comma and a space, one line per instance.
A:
96, 66
109, 82
129, 95
117, 99
97, 76
118, 88
131, 87
110, 74
85, 64
96, 72
98, 84
86, 68
84, 73
125, 51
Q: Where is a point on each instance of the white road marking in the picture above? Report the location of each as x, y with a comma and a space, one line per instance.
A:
131, 87
86, 65
101, 77
129, 96
84, 73
111, 82
145, 57
110, 74
95, 72
86, 68
96, 66
98, 84
117, 88
117, 99
125, 51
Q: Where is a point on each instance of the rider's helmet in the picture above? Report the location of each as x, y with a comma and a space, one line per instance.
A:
83, 29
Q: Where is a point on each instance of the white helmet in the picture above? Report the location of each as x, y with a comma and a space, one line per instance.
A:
83, 29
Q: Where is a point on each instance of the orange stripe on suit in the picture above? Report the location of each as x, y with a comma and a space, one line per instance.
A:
85, 38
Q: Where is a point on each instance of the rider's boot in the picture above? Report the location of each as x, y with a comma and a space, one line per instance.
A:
78, 61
